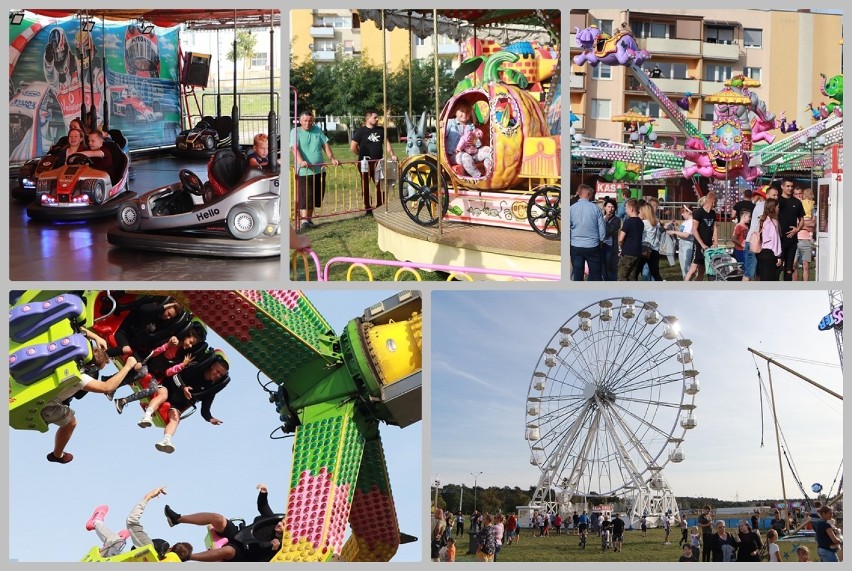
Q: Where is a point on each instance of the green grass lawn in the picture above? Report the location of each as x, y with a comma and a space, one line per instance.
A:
636, 548
356, 237
354, 234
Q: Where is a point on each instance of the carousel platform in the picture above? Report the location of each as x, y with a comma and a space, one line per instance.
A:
468, 245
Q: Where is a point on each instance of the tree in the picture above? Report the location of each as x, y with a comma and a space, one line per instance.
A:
246, 42
422, 86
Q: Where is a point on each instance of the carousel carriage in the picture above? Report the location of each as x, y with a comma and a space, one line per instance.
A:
518, 186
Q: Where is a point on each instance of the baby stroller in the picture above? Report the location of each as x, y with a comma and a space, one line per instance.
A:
720, 265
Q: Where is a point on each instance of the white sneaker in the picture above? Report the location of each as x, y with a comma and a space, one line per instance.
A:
165, 445
146, 421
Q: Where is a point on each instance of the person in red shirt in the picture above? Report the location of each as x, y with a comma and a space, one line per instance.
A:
740, 231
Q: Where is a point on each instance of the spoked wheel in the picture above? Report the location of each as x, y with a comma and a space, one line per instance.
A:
418, 192
544, 212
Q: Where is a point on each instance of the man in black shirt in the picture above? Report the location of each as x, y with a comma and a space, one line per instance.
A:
791, 218
630, 242
367, 143
705, 524
242, 545
617, 533
704, 230
743, 205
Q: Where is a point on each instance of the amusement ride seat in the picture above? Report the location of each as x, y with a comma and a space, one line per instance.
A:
119, 161
224, 171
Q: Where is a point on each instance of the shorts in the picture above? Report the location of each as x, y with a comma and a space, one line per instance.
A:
698, 256
805, 249
618, 537
57, 413
310, 190
176, 398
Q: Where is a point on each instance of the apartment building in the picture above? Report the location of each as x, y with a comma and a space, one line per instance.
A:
320, 33
696, 51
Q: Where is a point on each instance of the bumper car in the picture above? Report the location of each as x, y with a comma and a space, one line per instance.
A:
235, 213
77, 191
205, 138
29, 172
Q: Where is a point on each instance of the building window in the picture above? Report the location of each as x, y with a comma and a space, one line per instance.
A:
600, 109
717, 72
605, 26
602, 71
645, 107
418, 41
324, 46
258, 60
651, 30
719, 35
671, 70
707, 111
752, 38
752, 72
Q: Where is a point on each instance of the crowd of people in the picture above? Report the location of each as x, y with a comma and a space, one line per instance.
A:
773, 234
708, 541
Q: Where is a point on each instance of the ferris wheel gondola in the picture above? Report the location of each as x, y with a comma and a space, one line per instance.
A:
610, 401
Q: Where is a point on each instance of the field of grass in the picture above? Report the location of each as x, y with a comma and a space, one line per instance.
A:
355, 236
352, 234
636, 548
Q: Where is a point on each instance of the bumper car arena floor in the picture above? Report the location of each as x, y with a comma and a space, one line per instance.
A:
79, 251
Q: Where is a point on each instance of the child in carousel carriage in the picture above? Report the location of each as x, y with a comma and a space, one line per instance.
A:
464, 143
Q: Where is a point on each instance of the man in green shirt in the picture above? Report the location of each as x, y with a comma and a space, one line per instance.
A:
308, 143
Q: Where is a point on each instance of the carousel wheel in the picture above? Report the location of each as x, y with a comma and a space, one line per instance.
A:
544, 213
418, 192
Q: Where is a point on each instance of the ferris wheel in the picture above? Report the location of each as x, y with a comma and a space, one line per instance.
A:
610, 401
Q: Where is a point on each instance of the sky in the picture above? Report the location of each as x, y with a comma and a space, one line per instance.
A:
480, 385
214, 468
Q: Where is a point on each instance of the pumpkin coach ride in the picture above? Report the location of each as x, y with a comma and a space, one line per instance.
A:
509, 217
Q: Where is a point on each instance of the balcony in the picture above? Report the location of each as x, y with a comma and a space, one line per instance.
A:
450, 49
710, 87
722, 52
677, 85
662, 46
667, 125
322, 32
323, 55
578, 82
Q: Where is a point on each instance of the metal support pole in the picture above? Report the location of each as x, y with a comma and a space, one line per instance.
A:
792, 372
778, 444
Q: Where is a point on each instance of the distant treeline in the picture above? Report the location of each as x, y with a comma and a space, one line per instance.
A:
506, 499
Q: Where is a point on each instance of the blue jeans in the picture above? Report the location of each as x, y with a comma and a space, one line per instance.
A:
685, 254
580, 257
827, 555
609, 266
750, 265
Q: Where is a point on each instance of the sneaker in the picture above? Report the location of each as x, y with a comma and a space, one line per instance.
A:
98, 515
109, 395
306, 225
123, 534
165, 445
171, 516
146, 421
119, 404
